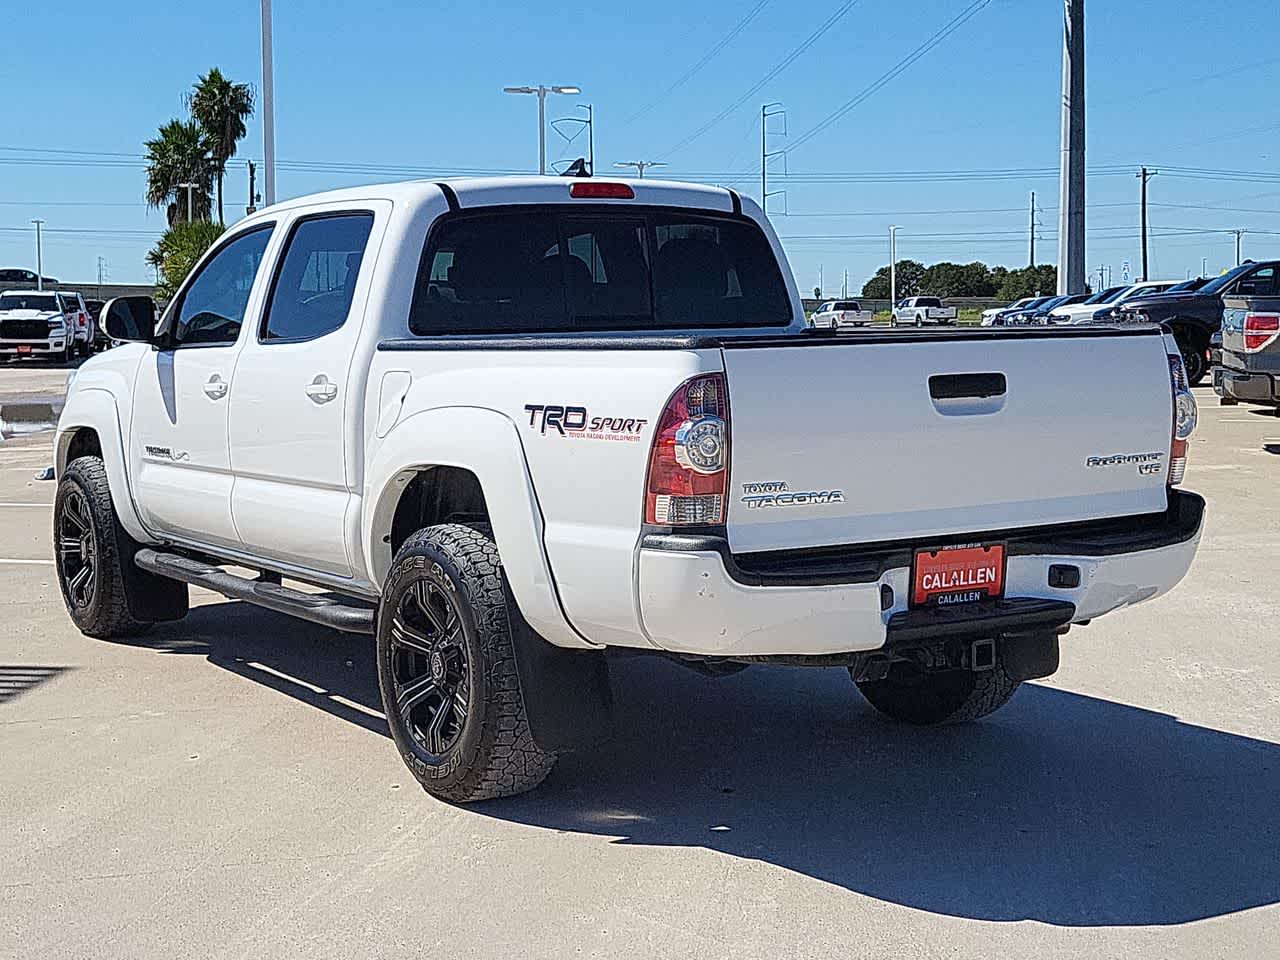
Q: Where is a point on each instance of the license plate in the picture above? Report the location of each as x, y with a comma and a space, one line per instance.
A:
24, 348
951, 575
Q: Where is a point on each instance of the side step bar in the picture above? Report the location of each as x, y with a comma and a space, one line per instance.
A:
348, 616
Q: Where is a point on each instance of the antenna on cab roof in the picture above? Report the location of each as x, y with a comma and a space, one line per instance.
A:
577, 169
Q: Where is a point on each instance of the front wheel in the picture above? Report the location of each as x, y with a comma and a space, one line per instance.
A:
919, 320
923, 697
92, 552
447, 671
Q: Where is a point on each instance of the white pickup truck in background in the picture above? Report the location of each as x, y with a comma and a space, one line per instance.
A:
507, 425
841, 313
919, 311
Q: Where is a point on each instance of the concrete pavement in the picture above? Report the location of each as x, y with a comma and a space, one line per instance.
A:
224, 787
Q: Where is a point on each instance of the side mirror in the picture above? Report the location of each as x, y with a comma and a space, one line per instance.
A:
131, 319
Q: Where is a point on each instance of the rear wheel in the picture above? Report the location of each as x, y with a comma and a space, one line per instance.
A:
447, 672
925, 697
919, 320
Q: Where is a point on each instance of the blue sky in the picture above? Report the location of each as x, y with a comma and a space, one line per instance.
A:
381, 90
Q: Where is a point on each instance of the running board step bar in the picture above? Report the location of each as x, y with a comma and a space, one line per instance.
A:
348, 616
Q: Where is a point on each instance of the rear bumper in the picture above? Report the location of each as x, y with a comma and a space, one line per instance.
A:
1250, 387
698, 598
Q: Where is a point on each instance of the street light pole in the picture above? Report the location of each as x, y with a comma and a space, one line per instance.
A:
190, 209
541, 90
268, 112
639, 165
893, 266
39, 256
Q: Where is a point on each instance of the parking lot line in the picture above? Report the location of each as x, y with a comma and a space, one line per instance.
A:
17, 504
17, 561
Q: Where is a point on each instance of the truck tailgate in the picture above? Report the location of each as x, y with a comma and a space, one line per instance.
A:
888, 437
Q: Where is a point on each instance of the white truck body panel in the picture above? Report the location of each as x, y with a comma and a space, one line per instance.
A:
910, 466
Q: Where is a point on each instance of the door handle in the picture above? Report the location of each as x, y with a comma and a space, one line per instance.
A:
320, 390
215, 388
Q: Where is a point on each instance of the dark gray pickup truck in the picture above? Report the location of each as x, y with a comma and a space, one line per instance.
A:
1249, 368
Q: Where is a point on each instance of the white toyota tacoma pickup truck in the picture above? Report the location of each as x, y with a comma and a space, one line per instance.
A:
508, 424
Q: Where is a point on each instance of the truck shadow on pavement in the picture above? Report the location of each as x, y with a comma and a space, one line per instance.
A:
1062, 808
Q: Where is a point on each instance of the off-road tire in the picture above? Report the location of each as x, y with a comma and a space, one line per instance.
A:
952, 696
107, 613
493, 753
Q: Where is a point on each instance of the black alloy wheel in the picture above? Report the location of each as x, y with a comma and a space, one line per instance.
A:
431, 668
77, 549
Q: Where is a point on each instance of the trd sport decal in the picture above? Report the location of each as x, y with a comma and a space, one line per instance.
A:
576, 422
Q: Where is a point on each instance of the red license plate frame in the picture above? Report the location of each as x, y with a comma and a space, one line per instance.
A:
24, 348
947, 576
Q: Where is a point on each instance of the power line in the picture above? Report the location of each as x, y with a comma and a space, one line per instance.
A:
790, 58
702, 61
951, 27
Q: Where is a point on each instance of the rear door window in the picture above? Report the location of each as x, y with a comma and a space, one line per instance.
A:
316, 281
557, 270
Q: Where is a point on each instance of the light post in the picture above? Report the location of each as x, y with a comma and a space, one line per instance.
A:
268, 112
541, 90
39, 256
1204, 266
640, 166
893, 267
189, 187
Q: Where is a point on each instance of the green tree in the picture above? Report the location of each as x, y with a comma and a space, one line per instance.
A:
221, 108
1039, 280
910, 275
177, 251
817, 293
178, 155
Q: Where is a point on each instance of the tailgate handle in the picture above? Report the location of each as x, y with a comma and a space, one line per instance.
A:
967, 386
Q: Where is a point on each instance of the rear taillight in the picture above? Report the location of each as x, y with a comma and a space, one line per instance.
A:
688, 479
1185, 416
1260, 329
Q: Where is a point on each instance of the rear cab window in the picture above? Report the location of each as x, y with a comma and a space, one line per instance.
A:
594, 269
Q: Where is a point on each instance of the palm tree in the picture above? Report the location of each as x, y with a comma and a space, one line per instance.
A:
221, 108
178, 155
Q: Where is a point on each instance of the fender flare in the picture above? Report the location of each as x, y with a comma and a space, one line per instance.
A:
486, 443
95, 409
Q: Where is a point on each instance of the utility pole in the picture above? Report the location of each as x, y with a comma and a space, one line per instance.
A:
640, 166
101, 270
893, 266
268, 111
1031, 260
844, 286
1239, 234
253, 190
821, 287
1145, 175
766, 111
1204, 266
1071, 174
39, 256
